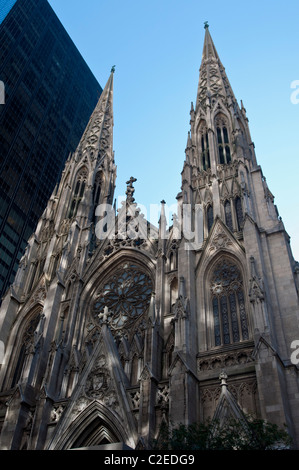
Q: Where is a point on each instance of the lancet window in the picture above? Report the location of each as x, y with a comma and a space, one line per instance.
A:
210, 217
205, 152
228, 215
205, 162
97, 188
239, 213
26, 350
78, 193
223, 143
228, 304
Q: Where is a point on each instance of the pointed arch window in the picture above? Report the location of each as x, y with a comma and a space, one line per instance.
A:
26, 349
97, 188
228, 304
223, 141
173, 292
210, 217
78, 193
239, 213
205, 152
228, 215
134, 370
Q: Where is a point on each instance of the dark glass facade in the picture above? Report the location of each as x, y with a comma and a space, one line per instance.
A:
50, 94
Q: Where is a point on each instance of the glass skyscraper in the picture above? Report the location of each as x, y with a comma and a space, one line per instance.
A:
50, 93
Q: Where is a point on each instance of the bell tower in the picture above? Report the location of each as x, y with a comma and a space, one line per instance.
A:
240, 274
41, 305
219, 141
109, 339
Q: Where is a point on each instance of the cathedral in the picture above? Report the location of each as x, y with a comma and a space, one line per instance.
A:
114, 326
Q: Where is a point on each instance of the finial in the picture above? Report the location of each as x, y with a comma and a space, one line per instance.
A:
206, 24
113, 69
223, 378
130, 189
152, 310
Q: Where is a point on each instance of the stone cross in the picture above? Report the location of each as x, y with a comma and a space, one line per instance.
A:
104, 315
130, 189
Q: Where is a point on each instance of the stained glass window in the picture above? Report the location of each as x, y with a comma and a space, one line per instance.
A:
216, 322
210, 217
124, 297
239, 213
228, 215
229, 311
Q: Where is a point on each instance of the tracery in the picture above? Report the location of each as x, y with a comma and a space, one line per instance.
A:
228, 303
124, 297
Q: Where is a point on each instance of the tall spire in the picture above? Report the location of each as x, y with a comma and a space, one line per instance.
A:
213, 81
97, 140
90, 172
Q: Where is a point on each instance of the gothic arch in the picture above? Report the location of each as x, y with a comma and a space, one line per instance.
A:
223, 138
225, 292
93, 425
203, 145
106, 267
99, 276
220, 245
221, 112
227, 300
82, 172
98, 185
80, 181
21, 342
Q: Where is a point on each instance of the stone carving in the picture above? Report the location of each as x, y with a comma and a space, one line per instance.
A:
39, 294
80, 405
135, 399
163, 396
99, 385
244, 393
57, 412
221, 361
220, 240
256, 292
123, 298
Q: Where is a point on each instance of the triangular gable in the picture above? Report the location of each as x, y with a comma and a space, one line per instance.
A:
180, 362
220, 239
101, 389
262, 348
227, 409
120, 236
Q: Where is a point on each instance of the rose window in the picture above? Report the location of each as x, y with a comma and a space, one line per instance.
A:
124, 297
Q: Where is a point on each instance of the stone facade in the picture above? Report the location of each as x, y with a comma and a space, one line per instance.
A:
107, 337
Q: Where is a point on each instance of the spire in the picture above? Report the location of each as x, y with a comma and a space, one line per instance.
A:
209, 49
97, 140
162, 224
213, 81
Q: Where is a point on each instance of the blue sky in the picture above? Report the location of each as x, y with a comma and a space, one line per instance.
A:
157, 46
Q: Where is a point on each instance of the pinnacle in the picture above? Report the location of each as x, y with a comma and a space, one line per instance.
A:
213, 81
209, 49
97, 140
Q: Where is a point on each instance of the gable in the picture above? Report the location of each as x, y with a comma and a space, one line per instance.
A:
99, 394
220, 241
